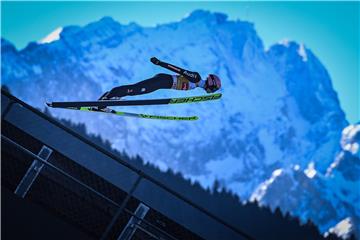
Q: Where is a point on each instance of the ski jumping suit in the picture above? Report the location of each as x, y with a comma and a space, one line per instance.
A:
159, 81
184, 80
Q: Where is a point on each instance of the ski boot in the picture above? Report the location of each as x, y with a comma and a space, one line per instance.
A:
104, 97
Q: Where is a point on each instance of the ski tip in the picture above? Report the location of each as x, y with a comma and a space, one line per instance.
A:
48, 104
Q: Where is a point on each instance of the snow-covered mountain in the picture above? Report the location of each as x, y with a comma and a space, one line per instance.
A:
333, 193
278, 111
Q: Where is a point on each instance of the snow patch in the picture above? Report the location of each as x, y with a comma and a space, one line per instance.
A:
335, 163
353, 148
302, 52
310, 172
186, 15
285, 42
348, 141
342, 229
297, 167
53, 36
276, 173
260, 192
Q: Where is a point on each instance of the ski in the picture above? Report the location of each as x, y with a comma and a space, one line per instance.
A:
136, 115
106, 103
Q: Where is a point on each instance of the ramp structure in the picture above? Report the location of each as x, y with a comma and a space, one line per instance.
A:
94, 192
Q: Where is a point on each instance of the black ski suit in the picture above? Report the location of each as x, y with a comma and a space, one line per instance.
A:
185, 80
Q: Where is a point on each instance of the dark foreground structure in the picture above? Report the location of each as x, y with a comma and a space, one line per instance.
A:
57, 184
66, 187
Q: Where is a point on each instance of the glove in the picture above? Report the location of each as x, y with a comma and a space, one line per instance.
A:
155, 61
192, 76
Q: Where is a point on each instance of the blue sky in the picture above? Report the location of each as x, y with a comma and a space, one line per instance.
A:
329, 29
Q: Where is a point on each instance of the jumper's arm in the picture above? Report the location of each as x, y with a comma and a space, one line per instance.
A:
192, 76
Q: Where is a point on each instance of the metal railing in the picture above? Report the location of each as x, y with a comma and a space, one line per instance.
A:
121, 208
116, 158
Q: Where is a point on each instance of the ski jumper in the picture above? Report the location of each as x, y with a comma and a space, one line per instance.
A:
184, 80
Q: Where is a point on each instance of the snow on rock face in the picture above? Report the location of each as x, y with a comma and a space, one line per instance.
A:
327, 199
342, 229
259, 193
314, 96
277, 110
310, 172
53, 36
350, 139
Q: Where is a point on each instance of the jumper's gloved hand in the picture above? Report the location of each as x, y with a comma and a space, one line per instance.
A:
193, 77
155, 61
212, 83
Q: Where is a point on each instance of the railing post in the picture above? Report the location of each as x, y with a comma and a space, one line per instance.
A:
121, 208
33, 171
131, 226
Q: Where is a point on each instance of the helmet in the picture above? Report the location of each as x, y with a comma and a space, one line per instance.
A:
212, 83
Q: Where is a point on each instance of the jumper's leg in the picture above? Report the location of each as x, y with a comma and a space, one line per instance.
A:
159, 81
